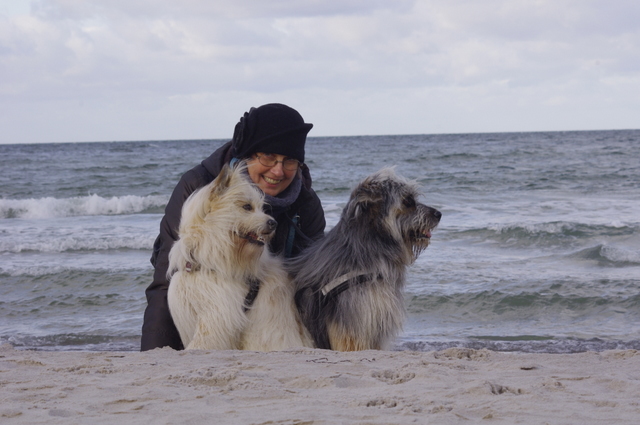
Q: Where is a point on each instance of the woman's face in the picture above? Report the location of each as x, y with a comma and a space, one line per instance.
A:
271, 180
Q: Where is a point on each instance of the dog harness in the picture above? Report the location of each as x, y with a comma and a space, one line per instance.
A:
254, 286
341, 283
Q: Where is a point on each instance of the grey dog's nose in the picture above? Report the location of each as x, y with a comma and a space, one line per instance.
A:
272, 224
437, 214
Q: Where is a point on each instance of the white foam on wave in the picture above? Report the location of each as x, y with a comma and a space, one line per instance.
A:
78, 206
620, 254
38, 264
558, 227
90, 242
82, 233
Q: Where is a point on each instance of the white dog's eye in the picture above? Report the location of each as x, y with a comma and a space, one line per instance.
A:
248, 207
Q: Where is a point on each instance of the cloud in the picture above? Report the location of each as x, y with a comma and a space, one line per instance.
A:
116, 69
216, 9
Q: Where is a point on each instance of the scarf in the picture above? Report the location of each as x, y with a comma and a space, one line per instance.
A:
284, 199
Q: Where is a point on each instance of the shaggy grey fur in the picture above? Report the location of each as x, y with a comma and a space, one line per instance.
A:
349, 285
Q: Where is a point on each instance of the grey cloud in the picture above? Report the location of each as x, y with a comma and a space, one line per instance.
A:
238, 9
164, 59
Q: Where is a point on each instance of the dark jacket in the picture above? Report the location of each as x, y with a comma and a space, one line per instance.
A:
158, 329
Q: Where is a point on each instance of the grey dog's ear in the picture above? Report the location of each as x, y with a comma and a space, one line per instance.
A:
366, 198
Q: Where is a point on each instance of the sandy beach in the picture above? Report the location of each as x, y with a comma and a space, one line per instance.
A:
306, 386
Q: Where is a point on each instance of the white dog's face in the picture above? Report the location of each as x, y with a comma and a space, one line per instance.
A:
254, 226
238, 203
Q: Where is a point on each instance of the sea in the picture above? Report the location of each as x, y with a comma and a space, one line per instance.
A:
538, 249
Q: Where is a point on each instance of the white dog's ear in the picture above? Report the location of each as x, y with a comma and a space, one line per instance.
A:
223, 181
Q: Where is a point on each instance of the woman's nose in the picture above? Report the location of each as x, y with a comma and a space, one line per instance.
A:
277, 169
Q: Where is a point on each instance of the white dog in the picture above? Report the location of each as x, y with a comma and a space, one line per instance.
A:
220, 263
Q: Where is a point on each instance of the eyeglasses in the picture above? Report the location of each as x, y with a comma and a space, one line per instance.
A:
269, 160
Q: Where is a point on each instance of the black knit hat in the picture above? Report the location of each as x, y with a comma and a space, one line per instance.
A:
271, 128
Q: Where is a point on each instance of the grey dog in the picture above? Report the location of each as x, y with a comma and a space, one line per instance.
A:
349, 285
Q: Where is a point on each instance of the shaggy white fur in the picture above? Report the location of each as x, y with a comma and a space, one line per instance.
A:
222, 248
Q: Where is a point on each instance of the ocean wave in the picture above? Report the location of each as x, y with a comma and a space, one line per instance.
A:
521, 305
80, 206
131, 342
80, 242
74, 272
73, 342
609, 255
523, 344
545, 234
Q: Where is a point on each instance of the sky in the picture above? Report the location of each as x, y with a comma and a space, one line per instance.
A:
115, 70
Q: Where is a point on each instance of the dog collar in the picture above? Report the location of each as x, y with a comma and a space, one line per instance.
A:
189, 267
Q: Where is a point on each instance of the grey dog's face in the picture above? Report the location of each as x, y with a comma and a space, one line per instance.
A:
416, 222
388, 203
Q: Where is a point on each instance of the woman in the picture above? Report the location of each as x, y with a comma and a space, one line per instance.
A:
271, 138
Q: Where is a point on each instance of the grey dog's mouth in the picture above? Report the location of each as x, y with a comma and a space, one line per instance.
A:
253, 238
421, 235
